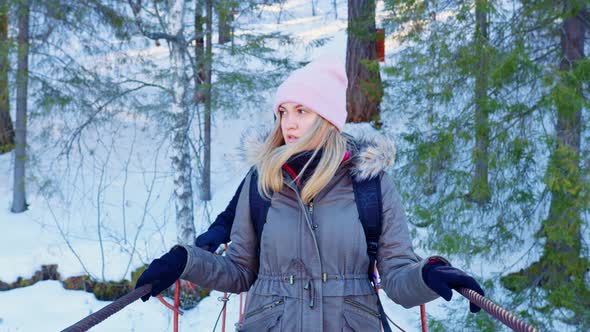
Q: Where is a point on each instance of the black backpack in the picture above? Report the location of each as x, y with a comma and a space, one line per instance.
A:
367, 194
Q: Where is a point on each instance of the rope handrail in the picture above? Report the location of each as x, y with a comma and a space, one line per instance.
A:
86, 323
486, 304
496, 311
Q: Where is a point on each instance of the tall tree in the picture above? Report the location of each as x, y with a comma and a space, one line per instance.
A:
472, 138
172, 31
490, 101
6, 127
181, 114
19, 203
480, 190
365, 89
335, 8
224, 21
562, 265
200, 20
165, 21
206, 172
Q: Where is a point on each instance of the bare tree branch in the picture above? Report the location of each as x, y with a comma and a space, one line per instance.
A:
154, 35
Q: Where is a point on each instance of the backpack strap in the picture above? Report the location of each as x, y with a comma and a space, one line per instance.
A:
367, 194
258, 207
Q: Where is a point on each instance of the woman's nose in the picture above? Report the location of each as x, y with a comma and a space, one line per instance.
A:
290, 121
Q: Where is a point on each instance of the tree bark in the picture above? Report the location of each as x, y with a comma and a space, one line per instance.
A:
206, 172
180, 143
19, 203
6, 127
480, 190
365, 90
199, 51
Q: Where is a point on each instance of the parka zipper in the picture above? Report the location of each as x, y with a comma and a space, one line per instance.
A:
263, 308
362, 307
308, 216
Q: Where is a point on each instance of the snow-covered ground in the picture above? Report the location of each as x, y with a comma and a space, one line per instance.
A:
46, 306
124, 190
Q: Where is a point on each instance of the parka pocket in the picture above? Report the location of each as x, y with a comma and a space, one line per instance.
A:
265, 318
360, 315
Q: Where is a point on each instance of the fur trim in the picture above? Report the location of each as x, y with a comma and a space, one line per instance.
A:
371, 152
251, 143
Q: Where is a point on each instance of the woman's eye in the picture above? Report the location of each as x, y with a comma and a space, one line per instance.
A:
301, 111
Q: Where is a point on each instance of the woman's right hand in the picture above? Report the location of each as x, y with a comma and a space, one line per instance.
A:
211, 239
442, 278
163, 272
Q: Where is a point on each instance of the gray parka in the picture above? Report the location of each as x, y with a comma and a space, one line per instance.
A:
312, 273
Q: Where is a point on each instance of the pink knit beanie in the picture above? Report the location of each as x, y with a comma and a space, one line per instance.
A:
320, 86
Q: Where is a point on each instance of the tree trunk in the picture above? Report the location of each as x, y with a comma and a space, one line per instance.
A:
335, 6
365, 90
224, 22
564, 212
206, 172
199, 51
6, 128
180, 143
562, 265
480, 191
19, 203
562, 228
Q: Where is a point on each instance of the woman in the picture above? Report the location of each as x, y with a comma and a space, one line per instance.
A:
310, 273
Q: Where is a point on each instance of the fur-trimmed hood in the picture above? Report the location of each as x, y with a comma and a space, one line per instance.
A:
370, 152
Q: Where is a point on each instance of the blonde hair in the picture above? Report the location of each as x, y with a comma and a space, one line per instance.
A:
275, 153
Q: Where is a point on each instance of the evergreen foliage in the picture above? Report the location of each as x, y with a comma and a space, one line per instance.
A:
538, 185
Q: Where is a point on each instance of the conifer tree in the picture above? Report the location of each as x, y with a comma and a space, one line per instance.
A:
563, 263
6, 126
519, 83
480, 191
225, 10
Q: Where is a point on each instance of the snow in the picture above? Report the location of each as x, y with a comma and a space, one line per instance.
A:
132, 175
55, 308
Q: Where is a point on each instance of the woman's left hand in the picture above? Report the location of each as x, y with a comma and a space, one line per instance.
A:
163, 272
443, 278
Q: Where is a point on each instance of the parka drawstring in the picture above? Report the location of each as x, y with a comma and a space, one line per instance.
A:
311, 289
309, 285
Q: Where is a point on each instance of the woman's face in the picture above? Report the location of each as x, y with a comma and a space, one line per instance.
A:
296, 120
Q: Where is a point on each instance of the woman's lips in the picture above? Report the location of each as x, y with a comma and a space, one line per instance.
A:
291, 138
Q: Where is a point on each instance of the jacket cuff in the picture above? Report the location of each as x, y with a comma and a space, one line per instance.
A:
428, 293
191, 253
428, 260
433, 259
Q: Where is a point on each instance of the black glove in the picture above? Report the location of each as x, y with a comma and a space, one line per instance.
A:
211, 239
163, 272
442, 278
